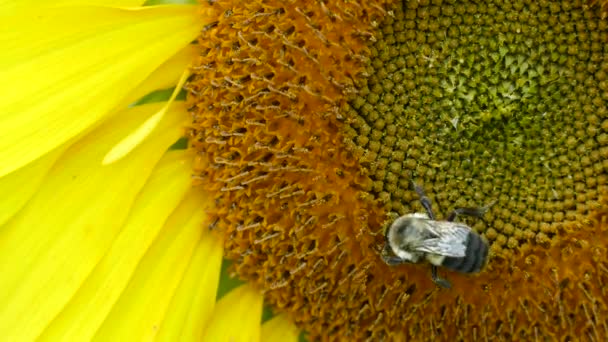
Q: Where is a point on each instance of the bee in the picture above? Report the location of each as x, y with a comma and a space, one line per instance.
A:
415, 237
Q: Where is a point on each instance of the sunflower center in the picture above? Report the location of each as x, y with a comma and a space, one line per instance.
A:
313, 118
488, 101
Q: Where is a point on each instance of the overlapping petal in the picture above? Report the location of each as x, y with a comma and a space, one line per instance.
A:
165, 76
194, 301
48, 101
177, 258
279, 329
89, 307
49, 248
242, 306
8, 6
17, 187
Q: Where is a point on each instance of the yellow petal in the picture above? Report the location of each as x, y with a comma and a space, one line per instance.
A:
237, 317
195, 298
68, 67
165, 76
17, 187
137, 136
48, 249
88, 308
11, 5
141, 308
279, 329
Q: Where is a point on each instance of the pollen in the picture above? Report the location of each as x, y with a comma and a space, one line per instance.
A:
311, 121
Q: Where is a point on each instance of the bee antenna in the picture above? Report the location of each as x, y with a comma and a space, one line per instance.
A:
488, 206
485, 209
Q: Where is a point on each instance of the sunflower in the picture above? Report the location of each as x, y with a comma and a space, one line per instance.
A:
314, 119
101, 230
304, 125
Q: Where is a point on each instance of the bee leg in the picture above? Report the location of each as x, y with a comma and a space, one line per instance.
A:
426, 202
439, 281
393, 260
389, 259
476, 212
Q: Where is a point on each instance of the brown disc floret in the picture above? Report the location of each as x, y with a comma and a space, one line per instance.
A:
312, 119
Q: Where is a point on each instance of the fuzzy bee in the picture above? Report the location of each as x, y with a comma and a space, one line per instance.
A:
415, 237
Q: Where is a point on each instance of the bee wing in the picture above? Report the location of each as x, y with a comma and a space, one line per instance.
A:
454, 249
449, 240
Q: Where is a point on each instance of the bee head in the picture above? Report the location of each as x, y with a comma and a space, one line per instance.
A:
405, 233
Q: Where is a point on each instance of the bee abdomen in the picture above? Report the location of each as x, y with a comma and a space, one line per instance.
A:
474, 259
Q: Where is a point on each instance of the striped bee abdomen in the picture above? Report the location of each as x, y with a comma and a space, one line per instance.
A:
475, 256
